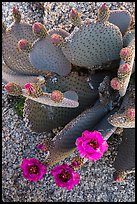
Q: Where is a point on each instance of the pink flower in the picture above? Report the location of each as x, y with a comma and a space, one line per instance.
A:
29, 87
33, 170
91, 145
65, 177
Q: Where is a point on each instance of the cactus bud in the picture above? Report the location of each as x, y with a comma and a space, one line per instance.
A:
131, 113
42, 147
24, 45
119, 176
115, 84
33, 90
57, 96
13, 89
103, 13
124, 70
75, 17
39, 30
126, 54
76, 162
16, 15
57, 40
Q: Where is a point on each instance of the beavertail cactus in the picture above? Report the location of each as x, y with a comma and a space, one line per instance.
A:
58, 73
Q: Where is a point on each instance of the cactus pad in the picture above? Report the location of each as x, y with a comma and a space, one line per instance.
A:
8, 75
125, 159
120, 18
45, 56
93, 44
13, 57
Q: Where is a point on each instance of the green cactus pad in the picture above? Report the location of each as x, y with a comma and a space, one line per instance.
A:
125, 159
13, 57
93, 44
8, 75
45, 56
63, 144
120, 18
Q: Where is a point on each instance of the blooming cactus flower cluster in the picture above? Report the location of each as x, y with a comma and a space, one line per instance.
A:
90, 145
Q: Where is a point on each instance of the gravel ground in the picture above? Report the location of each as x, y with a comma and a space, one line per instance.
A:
96, 184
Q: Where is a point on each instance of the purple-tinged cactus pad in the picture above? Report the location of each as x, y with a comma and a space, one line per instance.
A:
93, 44
46, 56
45, 99
128, 37
15, 77
13, 57
120, 18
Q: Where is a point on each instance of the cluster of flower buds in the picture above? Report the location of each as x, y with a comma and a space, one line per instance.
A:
121, 82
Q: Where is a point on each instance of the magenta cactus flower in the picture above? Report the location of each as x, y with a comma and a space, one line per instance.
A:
91, 145
65, 176
33, 170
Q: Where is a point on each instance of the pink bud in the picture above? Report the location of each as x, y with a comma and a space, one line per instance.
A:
73, 13
103, 6
23, 44
124, 68
29, 87
15, 10
13, 89
56, 96
125, 52
56, 39
115, 84
37, 27
118, 176
131, 113
42, 147
118, 179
